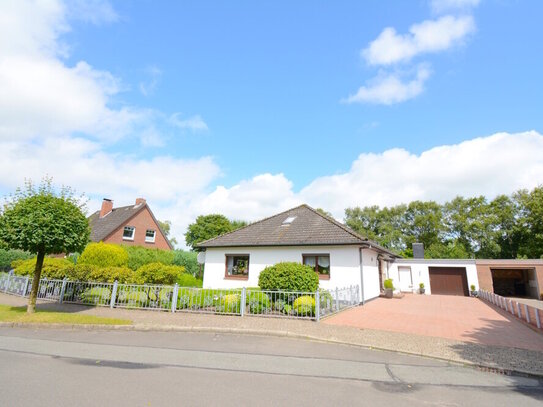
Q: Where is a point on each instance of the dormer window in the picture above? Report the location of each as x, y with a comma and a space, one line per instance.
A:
129, 232
288, 220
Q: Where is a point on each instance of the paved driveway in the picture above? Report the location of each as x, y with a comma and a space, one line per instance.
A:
461, 318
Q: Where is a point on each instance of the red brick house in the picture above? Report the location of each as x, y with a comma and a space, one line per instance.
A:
133, 225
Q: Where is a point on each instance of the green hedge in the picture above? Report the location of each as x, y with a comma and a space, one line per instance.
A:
158, 273
186, 280
187, 260
8, 256
290, 277
104, 255
140, 256
53, 268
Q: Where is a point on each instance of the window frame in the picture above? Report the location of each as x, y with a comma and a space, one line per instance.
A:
317, 255
133, 233
147, 237
236, 276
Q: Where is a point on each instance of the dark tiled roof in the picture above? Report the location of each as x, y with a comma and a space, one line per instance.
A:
309, 227
103, 227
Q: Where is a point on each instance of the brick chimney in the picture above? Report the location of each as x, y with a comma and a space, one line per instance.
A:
107, 206
140, 201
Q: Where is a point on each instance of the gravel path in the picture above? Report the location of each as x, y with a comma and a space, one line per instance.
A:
492, 357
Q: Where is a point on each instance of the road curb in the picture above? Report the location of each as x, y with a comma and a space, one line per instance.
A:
264, 332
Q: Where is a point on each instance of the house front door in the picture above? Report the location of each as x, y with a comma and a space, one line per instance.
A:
406, 280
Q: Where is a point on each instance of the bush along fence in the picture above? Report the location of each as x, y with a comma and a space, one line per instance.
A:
241, 301
525, 312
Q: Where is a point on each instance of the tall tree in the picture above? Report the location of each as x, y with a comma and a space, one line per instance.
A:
42, 221
166, 228
209, 226
530, 223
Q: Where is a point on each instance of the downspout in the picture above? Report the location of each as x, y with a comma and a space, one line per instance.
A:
362, 277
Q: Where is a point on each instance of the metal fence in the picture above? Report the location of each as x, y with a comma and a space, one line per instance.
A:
525, 312
240, 301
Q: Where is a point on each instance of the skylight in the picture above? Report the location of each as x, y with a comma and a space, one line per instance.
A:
289, 220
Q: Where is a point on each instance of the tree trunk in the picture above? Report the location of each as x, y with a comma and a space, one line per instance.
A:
31, 308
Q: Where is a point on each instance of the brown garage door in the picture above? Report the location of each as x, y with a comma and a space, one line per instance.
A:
448, 281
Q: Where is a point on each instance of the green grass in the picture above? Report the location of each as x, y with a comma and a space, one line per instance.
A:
18, 314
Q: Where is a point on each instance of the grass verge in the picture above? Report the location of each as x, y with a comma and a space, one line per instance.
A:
18, 314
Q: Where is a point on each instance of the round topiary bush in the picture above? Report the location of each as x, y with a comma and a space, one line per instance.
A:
96, 295
289, 276
388, 284
229, 303
104, 255
258, 302
158, 273
304, 305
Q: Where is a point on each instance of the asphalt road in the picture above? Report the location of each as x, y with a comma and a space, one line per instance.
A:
125, 368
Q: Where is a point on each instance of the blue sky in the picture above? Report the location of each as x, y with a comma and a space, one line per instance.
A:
247, 108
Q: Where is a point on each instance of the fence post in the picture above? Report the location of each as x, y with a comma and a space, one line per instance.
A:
243, 301
175, 294
317, 306
537, 320
7, 283
62, 290
337, 299
518, 311
27, 281
113, 294
527, 312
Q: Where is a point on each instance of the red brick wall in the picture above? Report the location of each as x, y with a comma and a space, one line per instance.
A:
142, 221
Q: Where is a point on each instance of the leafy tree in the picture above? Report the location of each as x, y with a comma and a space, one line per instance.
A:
323, 212
530, 222
42, 221
166, 227
209, 226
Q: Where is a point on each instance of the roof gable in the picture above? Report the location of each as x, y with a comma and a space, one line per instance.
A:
298, 226
101, 228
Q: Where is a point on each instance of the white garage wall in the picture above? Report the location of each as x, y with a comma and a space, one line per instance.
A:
344, 264
420, 271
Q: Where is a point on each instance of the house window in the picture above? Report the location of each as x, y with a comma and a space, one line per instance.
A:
128, 232
237, 266
320, 263
150, 236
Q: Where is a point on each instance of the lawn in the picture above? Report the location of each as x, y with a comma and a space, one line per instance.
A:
18, 314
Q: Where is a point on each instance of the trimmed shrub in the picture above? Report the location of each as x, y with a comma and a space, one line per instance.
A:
104, 255
258, 303
304, 305
110, 274
82, 272
187, 260
229, 303
186, 280
53, 268
8, 256
140, 256
133, 298
388, 284
158, 273
288, 276
96, 295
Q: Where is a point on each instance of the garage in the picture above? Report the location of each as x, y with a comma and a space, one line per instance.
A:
448, 281
515, 282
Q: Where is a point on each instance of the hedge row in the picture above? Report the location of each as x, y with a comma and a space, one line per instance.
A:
152, 273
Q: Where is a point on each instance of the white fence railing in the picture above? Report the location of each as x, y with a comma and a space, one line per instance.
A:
531, 315
240, 301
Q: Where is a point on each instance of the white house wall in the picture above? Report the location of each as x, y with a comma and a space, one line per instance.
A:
370, 264
420, 271
344, 266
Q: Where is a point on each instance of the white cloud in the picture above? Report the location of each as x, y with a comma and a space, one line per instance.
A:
194, 123
440, 6
388, 89
148, 88
42, 96
426, 37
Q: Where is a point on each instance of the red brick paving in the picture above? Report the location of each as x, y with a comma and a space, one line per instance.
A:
460, 318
